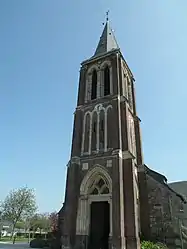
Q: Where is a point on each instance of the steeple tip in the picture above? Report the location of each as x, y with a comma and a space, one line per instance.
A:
107, 16
107, 40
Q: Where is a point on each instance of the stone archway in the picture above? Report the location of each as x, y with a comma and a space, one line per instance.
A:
94, 173
95, 192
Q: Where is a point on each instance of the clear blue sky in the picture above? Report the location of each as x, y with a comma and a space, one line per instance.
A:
42, 43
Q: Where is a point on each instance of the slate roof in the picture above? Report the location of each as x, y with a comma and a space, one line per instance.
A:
107, 41
163, 180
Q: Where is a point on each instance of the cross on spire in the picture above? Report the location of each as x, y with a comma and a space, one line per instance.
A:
107, 14
107, 40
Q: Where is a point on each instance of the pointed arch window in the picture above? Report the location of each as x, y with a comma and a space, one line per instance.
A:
106, 81
110, 128
94, 131
94, 85
87, 132
130, 94
132, 138
101, 131
99, 187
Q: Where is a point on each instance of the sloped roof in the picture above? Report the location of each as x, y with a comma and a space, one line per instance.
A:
107, 41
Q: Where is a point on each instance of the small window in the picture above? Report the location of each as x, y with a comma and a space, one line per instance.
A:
94, 85
101, 133
106, 81
94, 132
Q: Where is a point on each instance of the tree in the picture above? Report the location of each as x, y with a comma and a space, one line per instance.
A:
45, 222
53, 217
40, 222
18, 205
20, 225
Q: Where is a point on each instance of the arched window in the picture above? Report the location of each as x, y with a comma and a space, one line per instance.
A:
87, 132
132, 139
110, 128
99, 187
101, 130
94, 131
106, 81
94, 85
130, 95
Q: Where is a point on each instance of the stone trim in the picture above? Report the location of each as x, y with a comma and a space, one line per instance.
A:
127, 155
85, 166
103, 65
84, 211
100, 80
92, 173
98, 108
109, 163
104, 100
97, 156
123, 154
75, 160
141, 168
131, 133
123, 99
68, 164
85, 200
96, 58
116, 152
82, 216
101, 198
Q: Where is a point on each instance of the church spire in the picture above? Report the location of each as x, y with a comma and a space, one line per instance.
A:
107, 40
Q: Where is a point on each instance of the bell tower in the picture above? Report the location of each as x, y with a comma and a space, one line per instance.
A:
101, 209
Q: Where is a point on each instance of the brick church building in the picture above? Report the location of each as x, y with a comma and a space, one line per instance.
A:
112, 199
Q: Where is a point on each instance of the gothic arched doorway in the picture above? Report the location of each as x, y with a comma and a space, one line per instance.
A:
99, 227
96, 194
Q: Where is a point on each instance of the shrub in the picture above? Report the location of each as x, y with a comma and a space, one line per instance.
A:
39, 243
151, 245
148, 245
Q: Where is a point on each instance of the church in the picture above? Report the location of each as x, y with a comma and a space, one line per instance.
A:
112, 198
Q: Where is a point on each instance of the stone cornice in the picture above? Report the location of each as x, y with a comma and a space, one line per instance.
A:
75, 160
102, 56
123, 99
137, 119
96, 156
103, 100
123, 154
115, 153
127, 155
141, 168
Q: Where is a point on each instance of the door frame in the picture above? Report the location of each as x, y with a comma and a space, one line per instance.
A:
99, 198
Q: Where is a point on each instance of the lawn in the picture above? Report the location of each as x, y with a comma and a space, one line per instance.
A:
18, 239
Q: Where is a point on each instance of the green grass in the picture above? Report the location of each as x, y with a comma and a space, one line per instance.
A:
18, 239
